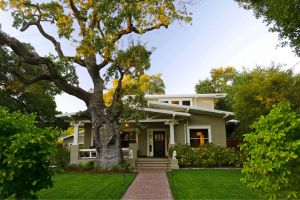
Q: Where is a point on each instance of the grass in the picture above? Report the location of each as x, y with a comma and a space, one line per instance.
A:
87, 186
209, 184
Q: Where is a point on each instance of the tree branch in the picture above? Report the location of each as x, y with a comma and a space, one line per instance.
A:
80, 19
35, 59
117, 94
130, 28
57, 46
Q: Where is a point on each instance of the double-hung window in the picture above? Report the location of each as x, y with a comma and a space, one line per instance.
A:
198, 137
126, 138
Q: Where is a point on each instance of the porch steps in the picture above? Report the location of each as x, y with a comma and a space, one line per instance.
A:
152, 163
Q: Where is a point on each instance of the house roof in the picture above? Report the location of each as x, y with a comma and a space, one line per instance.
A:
173, 113
81, 133
189, 109
215, 95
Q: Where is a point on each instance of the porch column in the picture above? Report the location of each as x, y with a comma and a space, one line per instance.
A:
172, 139
74, 150
76, 133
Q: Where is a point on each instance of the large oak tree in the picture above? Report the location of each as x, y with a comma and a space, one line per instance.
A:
95, 28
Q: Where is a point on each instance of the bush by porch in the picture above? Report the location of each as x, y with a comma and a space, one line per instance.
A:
207, 156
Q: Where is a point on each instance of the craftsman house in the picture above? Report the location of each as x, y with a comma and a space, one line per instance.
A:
170, 120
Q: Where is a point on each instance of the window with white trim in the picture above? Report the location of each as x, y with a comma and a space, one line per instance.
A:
198, 137
186, 102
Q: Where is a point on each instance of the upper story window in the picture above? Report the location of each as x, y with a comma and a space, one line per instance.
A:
184, 102
175, 102
164, 101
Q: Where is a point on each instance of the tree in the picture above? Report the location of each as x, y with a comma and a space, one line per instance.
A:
255, 93
96, 28
24, 159
37, 98
273, 154
221, 81
282, 15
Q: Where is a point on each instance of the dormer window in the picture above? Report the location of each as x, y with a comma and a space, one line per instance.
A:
164, 101
186, 103
175, 102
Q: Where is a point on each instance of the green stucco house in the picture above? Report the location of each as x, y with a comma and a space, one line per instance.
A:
170, 120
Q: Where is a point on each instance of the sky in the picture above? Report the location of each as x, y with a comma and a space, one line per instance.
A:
221, 34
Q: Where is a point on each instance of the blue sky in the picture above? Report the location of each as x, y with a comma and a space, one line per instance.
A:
221, 34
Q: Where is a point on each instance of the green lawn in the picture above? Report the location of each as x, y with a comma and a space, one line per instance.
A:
87, 186
209, 184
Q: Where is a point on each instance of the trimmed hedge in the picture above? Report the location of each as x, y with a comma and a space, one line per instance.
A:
207, 156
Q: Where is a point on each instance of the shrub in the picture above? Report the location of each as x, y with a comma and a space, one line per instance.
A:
116, 167
25, 149
273, 149
126, 167
86, 165
61, 156
206, 156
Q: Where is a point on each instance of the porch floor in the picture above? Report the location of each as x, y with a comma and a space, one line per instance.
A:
149, 184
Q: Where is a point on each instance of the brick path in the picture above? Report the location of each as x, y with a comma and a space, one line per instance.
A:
149, 184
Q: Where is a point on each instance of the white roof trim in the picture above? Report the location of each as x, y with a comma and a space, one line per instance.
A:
66, 114
214, 95
168, 105
155, 120
167, 112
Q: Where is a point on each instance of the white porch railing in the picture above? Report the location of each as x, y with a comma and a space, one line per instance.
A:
87, 153
92, 153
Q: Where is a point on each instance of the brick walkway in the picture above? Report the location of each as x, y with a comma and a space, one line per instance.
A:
149, 184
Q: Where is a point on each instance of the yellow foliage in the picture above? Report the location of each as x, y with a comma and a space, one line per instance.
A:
128, 84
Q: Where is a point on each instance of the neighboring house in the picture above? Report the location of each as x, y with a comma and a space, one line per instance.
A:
170, 120
69, 139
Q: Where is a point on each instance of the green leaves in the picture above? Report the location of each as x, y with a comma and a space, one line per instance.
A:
24, 159
273, 154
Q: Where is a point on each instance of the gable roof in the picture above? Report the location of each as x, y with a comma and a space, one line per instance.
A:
214, 95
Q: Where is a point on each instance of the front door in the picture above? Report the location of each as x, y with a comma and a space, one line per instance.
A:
159, 143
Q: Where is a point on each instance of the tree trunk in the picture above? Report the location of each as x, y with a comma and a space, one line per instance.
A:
106, 135
111, 151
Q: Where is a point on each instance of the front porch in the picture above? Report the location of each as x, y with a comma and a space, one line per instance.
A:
143, 148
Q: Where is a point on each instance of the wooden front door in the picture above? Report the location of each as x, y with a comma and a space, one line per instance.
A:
159, 143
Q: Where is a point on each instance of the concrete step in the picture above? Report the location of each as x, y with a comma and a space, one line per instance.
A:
152, 163
152, 159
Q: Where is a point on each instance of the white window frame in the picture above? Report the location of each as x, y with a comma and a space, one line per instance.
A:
177, 99
136, 137
191, 127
